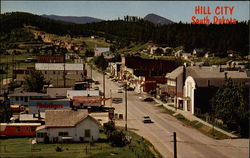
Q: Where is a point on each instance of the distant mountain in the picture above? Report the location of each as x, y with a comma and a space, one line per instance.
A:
156, 19
74, 19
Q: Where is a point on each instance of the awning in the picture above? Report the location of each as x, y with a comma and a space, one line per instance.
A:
67, 138
83, 99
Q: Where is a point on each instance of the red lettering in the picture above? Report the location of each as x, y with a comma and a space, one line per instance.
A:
49, 105
193, 20
231, 10
216, 10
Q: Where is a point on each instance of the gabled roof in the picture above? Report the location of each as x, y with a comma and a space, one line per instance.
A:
212, 76
65, 118
172, 75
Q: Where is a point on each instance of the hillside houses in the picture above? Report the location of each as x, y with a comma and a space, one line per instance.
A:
101, 50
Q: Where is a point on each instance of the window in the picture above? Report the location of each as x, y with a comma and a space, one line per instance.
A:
17, 98
87, 133
63, 134
21, 98
32, 129
41, 135
18, 129
25, 99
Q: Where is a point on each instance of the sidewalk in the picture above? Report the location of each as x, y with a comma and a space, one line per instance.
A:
191, 117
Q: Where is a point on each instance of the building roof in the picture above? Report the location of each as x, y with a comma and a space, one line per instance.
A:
178, 71
20, 124
65, 118
212, 76
212, 72
30, 117
73, 93
57, 92
149, 67
58, 66
28, 94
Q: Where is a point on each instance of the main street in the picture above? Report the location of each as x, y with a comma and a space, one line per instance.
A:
190, 142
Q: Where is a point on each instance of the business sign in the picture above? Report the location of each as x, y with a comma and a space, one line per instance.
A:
116, 100
42, 105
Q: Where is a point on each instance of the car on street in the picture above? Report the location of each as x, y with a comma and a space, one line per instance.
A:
119, 90
97, 82
130, 89
149, 99
147, 119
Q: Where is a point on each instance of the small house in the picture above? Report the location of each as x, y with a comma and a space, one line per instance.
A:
68, 126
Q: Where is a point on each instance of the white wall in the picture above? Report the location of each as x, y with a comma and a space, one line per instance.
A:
75, 132
75, 93
189, 92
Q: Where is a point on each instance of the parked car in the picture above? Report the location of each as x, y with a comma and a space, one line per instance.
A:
97, 82
130, 89
148, 99
119, 90
147, 119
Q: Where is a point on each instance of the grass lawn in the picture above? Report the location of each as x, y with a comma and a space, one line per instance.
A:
91, 43
22, 147
202, 128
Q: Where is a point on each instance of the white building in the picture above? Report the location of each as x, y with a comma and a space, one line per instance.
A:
58, 68
202, 83
100, 50
115, 68
79, 93
68, 126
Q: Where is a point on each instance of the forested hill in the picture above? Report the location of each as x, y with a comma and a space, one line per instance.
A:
74, 19
214, 38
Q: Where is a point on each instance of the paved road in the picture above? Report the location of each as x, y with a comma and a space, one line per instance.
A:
191, 143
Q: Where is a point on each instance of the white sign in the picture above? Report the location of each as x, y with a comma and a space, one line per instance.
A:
116, 100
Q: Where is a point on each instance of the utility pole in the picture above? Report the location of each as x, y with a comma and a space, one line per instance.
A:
13, 66
126, 108
1, 72
175, 145
90, 72
64, 73
103, 88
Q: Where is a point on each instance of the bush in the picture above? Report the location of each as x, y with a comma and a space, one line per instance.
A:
117, 138
109, 127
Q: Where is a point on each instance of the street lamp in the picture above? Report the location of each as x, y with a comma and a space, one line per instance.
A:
104, 88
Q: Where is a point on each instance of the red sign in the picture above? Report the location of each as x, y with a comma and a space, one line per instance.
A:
49, 105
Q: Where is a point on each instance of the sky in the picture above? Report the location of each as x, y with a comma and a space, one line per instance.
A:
110, 10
